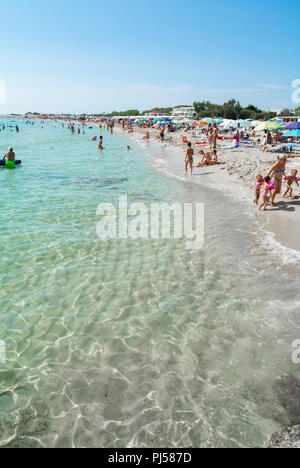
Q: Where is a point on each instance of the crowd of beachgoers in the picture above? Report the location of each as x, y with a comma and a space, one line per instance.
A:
206, 140
244, 148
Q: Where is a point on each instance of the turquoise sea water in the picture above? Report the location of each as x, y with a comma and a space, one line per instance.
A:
133, 343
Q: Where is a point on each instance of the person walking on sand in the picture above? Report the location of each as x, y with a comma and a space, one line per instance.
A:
290, 180
189, 158
278, 172
215, 137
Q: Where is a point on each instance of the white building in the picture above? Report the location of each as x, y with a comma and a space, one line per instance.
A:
291, 118
184, 112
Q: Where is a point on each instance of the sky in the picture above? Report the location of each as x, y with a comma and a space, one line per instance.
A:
99, 56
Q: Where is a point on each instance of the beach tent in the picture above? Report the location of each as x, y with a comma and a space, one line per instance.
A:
268, 126
293, 126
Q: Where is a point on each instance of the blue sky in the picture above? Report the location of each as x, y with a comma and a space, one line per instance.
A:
99, 56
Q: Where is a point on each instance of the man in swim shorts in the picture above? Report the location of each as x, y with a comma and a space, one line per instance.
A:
10, 155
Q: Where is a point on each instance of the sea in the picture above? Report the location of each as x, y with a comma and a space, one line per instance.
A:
136, 342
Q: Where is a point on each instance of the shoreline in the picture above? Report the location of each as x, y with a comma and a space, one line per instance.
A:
236, 171
216, 178
236, 166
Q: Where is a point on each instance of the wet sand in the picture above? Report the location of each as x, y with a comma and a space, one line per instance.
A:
237, 170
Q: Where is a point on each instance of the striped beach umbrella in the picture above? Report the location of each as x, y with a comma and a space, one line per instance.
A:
269, 126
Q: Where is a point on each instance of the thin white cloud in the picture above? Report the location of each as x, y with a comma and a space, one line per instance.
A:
275, 87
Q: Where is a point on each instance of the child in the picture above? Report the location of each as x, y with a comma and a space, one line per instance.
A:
268, 187
189, 158
259, 182
100, 147
290, 180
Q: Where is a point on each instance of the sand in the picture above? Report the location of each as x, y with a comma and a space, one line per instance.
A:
238, 168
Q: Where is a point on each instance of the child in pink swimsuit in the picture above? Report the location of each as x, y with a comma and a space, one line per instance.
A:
268, 187
259, 182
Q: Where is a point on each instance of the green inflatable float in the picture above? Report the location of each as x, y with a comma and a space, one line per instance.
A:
10, 164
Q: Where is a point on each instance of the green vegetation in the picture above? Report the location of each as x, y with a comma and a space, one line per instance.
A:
131, 112
159, 110
297, 111
231, 110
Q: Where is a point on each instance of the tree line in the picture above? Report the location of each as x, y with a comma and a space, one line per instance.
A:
231, 110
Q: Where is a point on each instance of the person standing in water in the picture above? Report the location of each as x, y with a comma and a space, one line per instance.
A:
100, 147
189, 158
162, 134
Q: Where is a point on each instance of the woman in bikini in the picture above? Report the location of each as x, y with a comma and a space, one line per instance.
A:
209, 158
278, 171
189, 158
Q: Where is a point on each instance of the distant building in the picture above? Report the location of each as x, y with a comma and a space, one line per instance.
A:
184, 112
154, 114
291, 118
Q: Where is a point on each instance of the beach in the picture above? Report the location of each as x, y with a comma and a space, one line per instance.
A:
238, 169
138, 343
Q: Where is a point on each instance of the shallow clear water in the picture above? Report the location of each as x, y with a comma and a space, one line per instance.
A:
134, 343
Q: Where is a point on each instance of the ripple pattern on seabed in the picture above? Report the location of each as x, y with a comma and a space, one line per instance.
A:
124, 343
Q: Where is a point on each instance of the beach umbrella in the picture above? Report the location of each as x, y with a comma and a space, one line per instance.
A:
293, 126
293, 133
227, 124
268, 126
254, 123
244, 123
